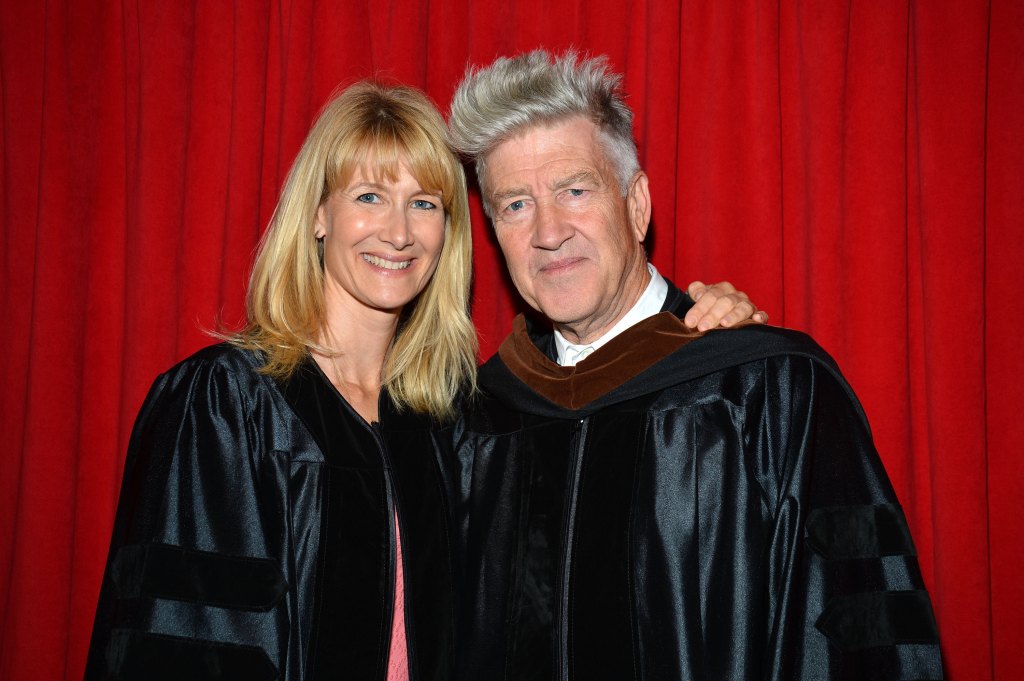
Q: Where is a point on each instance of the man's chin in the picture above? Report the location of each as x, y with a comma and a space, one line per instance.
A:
568, 321
560, 315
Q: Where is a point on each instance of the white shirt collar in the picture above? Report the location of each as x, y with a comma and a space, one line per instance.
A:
649, 304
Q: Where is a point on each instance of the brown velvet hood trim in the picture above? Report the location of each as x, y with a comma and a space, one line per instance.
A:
628, 354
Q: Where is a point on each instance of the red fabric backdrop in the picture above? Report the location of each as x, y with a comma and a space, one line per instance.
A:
858, 168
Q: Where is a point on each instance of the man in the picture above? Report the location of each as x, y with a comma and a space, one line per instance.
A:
640, 501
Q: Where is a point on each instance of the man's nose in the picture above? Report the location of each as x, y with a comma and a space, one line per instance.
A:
551, 228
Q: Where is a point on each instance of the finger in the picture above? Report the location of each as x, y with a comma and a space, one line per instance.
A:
761, 317
724, 288
714, 308
726, 311
705, 299
742, 311
696, 290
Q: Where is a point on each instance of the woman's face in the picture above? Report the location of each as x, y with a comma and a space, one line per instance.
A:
382, 241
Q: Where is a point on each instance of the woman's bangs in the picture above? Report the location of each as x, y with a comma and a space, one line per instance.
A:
380, 156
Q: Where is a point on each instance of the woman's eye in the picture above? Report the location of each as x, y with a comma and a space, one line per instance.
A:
368, 197
423, 204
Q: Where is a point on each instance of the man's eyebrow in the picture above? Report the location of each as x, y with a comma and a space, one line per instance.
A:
576, 178
568, 181
504, 194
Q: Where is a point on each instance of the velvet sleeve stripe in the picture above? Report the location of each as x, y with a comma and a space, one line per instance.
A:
201, 577
851, 532
878, 618
157, 657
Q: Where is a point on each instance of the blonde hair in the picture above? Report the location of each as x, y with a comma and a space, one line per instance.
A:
369, 125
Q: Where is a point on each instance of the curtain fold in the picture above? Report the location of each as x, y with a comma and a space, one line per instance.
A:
857, 167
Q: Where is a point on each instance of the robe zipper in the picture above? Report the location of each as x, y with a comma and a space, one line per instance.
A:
392, 511
578, 441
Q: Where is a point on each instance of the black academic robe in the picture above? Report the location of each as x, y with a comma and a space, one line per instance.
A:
255, 539
682, 506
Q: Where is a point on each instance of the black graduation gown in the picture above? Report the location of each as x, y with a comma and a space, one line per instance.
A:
254, 536
682, 506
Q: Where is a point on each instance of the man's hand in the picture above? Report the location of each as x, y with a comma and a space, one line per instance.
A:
720, 305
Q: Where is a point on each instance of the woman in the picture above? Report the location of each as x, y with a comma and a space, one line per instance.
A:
269, 479
284, 506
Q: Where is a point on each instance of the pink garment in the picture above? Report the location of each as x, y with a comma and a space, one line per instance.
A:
398, 661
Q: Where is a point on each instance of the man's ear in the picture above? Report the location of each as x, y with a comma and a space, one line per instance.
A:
638, 205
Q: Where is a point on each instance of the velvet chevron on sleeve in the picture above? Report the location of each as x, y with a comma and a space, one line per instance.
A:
255, 536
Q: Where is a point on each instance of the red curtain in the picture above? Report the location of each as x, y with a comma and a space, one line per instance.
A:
857, 167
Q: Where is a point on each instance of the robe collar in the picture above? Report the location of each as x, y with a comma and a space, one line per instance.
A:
624, 357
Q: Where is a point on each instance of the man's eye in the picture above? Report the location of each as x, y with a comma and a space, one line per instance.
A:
515, 206
577, 192
423, 204
368, 197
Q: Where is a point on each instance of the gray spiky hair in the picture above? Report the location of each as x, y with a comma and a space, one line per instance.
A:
495, 102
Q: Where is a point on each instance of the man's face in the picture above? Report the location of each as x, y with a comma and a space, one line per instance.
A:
573, 243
